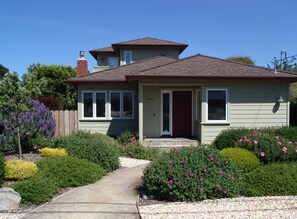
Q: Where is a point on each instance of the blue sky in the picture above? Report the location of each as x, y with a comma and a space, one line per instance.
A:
53, 32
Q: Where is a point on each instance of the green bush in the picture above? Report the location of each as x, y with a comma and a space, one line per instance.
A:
19, 169
39, 142
244, 159
55, 173
138, 151
36, 190
289, 133
2, 164
228, 138
268, 147
277, 179
70, 171
192, 174
127, 137
91, 147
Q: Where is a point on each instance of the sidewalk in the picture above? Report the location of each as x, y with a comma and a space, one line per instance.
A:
114, 196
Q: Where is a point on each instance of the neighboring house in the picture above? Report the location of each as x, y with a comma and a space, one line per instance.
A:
198, 96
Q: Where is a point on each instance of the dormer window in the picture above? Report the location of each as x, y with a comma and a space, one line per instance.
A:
127, 57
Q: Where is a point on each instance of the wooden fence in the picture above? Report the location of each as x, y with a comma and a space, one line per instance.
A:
66, 122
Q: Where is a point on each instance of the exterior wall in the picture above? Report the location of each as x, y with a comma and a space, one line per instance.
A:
252, 104
140, 54
112, 127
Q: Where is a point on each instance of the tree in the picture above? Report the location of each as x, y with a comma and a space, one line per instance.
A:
242, 59
49, 79
3, 71
13, 99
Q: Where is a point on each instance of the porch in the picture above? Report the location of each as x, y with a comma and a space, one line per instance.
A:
169, 143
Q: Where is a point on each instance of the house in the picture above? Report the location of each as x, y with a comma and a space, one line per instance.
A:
155, 93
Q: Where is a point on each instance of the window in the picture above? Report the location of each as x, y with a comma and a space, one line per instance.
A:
113, 62
94, 104
216, 105
127, 57
122, 104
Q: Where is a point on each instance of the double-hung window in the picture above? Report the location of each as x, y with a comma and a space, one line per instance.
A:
122, 104
94, 104
216, 105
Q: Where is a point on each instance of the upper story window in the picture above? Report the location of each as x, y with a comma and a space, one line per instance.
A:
216, 106
127, 57
113, 62
94, 104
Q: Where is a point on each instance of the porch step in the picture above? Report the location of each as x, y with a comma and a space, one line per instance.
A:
168, 143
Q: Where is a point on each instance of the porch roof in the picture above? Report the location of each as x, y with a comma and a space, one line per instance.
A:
194, 67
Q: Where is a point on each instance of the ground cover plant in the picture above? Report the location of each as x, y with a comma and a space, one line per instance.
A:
19, 169
55, 173
48, 152
192, 174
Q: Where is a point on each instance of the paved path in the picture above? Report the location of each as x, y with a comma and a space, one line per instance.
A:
114, 196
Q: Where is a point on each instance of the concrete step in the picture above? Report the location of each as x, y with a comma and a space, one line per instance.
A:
169, 142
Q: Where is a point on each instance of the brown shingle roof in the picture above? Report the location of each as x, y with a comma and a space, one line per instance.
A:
194, 67
119, 74
201, 66
105, 49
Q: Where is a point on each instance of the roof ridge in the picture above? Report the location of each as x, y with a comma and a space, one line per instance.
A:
141, 38
100, 48
123, 66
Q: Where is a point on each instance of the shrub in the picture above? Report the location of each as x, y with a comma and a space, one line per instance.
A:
87, 146
36, 190
70, 171
244, 159
39, 141
19, 169
2, 164
268, 147
192, 174
138, 151
228, 138
289, 133
277, 179
48, 152
127, 137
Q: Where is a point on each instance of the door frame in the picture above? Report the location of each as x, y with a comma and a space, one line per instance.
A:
170, 91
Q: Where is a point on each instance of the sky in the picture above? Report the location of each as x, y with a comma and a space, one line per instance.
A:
53, 32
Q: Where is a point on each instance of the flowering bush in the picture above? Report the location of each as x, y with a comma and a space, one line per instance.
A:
138, 151
269, 147
37, 121
275, 179
127, 137
49, 152
192, 174
19, 169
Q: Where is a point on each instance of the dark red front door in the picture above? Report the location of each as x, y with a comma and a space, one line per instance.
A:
182, 113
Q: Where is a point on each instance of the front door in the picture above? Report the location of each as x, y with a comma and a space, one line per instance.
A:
182, 113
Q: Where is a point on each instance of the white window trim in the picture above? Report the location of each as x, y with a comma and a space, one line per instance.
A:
170, 112
121, 105
227, 100
125, 52
198, 108
94, 105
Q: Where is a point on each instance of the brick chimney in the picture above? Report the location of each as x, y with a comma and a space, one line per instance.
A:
82, 65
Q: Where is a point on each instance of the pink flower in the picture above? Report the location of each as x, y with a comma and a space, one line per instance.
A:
278, 144
273, 130
295, 150
239, 179
284, 150
218, 185
254, 133
35, 147
191, 174
225, 191
171, 182
276, 137
205, 170
256, 142
201, 189
210, 155
226, 162
201, 179
177, 183
212, 159
220, 172
170, 162
262, 154
185, 173
218, 163
183, 161
232, 177
229, 176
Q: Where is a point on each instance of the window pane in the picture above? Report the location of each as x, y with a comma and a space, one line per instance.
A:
128, 57
115, 105
128, 105
100, 104
216, 105
88, 104
166, 116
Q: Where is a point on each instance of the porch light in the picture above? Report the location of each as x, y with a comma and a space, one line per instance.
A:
280, 99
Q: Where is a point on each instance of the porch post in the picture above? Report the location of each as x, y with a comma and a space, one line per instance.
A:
140, 112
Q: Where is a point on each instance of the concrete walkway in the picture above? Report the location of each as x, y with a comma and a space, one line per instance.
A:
114, 196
